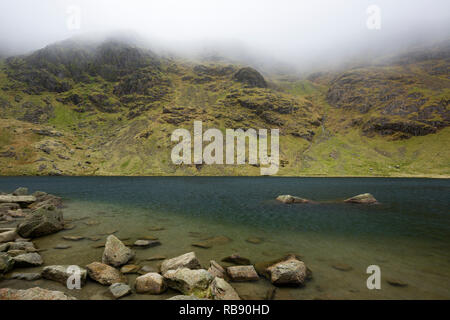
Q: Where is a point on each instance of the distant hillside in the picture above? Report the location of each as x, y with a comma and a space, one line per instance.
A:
108, 108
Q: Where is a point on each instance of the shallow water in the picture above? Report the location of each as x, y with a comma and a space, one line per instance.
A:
407, 235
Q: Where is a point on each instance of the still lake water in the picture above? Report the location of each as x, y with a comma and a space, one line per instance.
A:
407, 235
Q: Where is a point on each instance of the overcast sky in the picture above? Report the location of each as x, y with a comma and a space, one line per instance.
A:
283, 29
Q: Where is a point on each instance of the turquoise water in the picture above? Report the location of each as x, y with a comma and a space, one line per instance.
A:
407, 235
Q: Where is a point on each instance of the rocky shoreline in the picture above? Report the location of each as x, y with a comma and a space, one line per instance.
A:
41, 214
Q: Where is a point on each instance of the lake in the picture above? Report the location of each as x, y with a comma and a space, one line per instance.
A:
407, 235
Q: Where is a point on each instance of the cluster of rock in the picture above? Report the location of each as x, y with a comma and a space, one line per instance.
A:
365, 198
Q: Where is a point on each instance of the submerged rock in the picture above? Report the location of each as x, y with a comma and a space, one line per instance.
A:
119, 290
73, 238
396, 282
222, 290
210, 242
242, 273
105, 274
188, 260
236, 259
116, 253
254, 240
189, 281
342, 267
32, 276
130, 268
292, 199
151, 283
40, 223
147, 243
365, 198
33, 294
61, 273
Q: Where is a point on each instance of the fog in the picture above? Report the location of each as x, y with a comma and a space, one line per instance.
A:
282, 32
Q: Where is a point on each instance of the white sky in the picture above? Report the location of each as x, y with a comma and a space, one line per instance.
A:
284, 29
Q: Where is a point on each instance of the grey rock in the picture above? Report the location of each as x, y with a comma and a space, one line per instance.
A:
6, 262
187, 260
119, 290
242, 273
222, 290
61, 273
116, 253
33, 294
41, 222
32, 276
152, 283
28, 260
189, 281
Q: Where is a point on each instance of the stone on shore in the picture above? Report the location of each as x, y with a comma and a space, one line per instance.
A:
189, 281
222, 290
292, 199
35, 293
40, 223
236, 259
6, 262
288, 272
242, 273
365, 198
119, 290
188, 260
8, 236
23, 245
116, 253
32, 276
105, 274
61, 273
23, 201
216, 269
32, 259
21, 191
151, 283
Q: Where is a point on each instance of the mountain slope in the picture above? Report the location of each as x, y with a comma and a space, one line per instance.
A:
109, 108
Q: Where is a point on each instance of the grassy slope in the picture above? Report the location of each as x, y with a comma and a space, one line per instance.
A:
112, 144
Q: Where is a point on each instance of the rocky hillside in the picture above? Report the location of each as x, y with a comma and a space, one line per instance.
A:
109, 108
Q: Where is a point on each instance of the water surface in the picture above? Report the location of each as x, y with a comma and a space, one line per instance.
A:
407, 235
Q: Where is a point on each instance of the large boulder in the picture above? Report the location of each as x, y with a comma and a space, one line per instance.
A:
104, 274
61, 273
291, 199
116, 253
33, 294
40, 223
222, 290
365, 198
188, 260
152, 283
189, 281
6, 262
250, 77
45, 201
242, 273
32, 259
288, 272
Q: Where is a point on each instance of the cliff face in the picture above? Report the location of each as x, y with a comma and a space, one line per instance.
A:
109, 108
